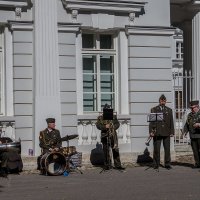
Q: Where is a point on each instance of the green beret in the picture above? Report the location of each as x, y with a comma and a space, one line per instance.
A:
50, 120
194, 103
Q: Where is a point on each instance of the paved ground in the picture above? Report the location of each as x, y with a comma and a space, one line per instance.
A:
137, 183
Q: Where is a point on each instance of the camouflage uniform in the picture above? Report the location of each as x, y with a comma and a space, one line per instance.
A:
109, 140
194, 135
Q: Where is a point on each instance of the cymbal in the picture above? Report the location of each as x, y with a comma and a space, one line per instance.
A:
69, 137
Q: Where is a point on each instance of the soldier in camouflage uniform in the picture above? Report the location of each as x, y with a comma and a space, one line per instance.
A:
109, 140
49, 139
192, 126
161, 131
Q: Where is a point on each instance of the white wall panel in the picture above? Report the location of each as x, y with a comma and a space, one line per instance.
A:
67, 61
23, 109
23, 48
68, 108
150, 41
68, 85
161, 86
23, 97
67, 50
67, 73
66, 38
23, 60
22, 36
150, 63
150, 52
23, 84
150, 74
68, 97
23, 72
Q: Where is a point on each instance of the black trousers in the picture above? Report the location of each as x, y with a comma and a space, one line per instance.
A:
157, 140
195, 143
108, 143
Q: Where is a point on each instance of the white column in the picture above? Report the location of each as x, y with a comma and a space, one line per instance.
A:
196, 55
9, 72
47, 86
123, 50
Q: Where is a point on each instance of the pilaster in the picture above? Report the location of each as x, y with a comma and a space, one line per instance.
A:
196, 55
47, 86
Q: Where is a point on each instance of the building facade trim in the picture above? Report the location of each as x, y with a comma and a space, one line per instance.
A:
115, 6
18, 25
134, 30
25, 4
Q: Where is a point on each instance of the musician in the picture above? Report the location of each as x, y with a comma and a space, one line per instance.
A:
109, 139
49, 139
161, 131
192, 126
10, 159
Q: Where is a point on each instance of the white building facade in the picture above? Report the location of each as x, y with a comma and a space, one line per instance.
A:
66, 59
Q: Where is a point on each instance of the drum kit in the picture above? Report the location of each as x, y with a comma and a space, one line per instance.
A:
56, 163
7, 144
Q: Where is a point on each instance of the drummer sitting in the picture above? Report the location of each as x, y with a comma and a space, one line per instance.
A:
49, 140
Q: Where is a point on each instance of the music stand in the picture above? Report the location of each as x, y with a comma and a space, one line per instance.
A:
155, 117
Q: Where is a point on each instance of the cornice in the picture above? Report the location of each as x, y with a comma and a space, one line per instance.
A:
142, 30
119, 6
19, 25
69, 27
23, 4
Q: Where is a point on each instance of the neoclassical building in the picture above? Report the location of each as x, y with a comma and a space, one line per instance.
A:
67, 58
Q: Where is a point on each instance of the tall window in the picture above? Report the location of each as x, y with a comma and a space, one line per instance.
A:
179, 49
1, 73
99, 71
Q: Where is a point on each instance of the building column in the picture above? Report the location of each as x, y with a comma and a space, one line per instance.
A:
196, 55
46, 65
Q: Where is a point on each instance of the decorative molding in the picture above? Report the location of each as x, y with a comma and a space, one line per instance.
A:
114, 6
69, 27
137, 30
23, 4
19, 25
131, 18
18, 12
74, 15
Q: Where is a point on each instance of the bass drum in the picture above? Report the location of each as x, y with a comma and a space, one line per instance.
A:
53, 163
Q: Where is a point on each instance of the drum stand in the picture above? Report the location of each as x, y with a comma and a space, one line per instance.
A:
69, 161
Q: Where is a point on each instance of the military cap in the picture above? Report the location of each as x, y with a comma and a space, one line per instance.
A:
194, 103
106, 106
50, 120
162, 97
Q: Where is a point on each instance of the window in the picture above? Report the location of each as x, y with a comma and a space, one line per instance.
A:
179, 49
99, 70
1, 73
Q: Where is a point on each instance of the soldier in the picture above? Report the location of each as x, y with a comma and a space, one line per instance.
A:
162, 131
49, 139
192, 126
109, 140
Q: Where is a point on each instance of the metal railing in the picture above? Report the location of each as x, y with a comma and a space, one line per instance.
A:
182, 83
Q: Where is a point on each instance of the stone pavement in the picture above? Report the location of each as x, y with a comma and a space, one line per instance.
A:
137, 183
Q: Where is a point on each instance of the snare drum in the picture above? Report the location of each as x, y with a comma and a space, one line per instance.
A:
53, 163
68, 151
